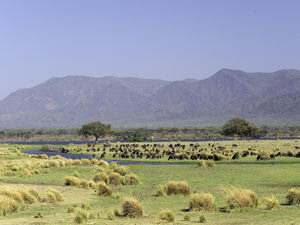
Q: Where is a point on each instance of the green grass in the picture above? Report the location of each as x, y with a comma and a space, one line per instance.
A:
265, 178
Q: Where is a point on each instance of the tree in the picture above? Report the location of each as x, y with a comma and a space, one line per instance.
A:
138, 135
239, 126
95, 129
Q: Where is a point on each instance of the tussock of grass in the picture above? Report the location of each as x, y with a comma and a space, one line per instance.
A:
72, 181
103, 189
177, 188
132, 208
101, 177
115, 179
81, 216
206, 164
122, 170
270, 202
131, 179
240, 198
166, 216
293, 196
202, 202
54, 195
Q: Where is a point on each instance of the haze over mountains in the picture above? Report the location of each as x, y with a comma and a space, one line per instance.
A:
270, 98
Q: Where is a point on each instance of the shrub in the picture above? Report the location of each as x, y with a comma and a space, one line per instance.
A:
131, 179
177, 188
161, 191
111, 215
202, 219
71, 210
72, 181
84, 184
132, 208
270, 202
103, 163
8, 205
167, 216
202, 202
293, 196
15, 195
100, 177
85, 161
210, 164
28, 197
206, 164
240, 198
104, 189
122, 170
81, 216
115, 179
54, 195
76, 174
187, 218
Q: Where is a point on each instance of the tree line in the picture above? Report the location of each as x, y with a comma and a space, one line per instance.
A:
238, 127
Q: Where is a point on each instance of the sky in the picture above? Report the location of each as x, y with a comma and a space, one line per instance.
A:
164, 39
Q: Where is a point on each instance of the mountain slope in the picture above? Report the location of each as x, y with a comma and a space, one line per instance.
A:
73, 100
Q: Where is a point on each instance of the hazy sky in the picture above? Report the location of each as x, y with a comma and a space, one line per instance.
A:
167, 39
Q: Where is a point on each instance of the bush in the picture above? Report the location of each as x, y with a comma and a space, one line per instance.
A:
131, 179
293, 196
28, 197
202, 202
104, 189
100, 177
76, 174
84, 184
202, 219
81, 216
115, 179
206, 164
177, 188
187, 218
122, 170
72, 181
132, 208
103, 163
111, 215
167, 216
8, 205
270, 202
240, 198
54, 195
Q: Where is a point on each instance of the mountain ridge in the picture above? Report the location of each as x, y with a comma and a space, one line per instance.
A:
129, 102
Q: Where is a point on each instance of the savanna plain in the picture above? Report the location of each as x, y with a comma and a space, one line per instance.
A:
229, 182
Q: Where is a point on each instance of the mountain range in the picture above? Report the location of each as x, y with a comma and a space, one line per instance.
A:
263, 98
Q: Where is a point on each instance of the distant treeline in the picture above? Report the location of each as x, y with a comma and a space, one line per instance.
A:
142, 134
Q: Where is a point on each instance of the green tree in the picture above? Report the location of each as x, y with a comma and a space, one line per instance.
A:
239, 126
95, 129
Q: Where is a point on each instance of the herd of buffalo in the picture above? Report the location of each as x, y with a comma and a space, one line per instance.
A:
180, 151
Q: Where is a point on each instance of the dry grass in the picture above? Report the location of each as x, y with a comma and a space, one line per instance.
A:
293, 196
270, 202
132, 208
54, 195
103, 189
240, 198
115, 179
166, 216
177, 188
202, 202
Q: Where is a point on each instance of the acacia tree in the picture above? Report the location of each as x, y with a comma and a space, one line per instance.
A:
95, 129
239, 126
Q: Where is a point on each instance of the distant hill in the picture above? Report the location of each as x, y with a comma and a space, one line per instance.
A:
272, 98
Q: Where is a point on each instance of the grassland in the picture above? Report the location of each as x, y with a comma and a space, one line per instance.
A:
266, 178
